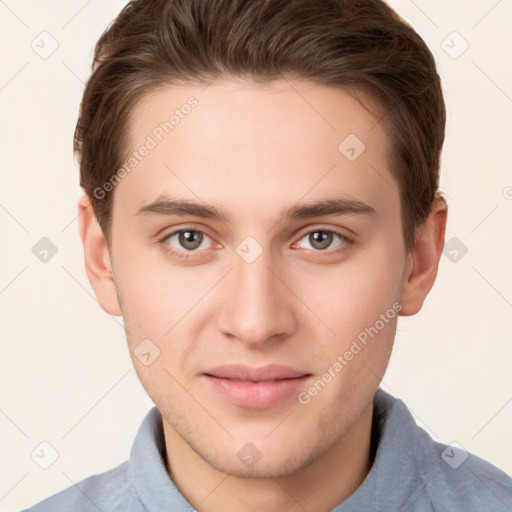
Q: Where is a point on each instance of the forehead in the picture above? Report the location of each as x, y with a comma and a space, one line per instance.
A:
246, 145
283, 109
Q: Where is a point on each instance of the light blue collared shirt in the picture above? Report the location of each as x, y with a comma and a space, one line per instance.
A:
411, 472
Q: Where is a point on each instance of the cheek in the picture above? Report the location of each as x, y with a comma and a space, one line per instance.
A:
377, 275
166, 304
354, 294
161, 298
153, 290
360, 304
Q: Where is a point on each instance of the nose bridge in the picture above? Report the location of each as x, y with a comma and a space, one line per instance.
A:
256, 306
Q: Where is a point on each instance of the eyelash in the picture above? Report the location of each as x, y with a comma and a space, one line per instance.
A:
346, 242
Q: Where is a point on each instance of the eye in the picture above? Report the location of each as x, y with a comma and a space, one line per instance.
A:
187, 240
322, 239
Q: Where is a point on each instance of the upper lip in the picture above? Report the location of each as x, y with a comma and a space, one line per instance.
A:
247, 373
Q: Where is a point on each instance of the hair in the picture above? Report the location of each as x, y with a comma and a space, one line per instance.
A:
348, 44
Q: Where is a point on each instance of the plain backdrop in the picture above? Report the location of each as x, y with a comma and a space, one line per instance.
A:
66, 377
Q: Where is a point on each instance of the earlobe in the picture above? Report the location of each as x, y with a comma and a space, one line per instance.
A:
98, 264
423, 261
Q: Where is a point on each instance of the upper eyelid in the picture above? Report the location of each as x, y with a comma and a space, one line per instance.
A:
336, 231
345, 239
299, 235
184, 230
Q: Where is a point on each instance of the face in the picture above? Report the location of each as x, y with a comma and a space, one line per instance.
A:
255, 275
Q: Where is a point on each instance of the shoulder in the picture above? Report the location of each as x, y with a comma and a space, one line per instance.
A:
429, 475
111, 491
463, 481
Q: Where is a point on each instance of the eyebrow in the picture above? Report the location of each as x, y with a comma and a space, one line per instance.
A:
164, 206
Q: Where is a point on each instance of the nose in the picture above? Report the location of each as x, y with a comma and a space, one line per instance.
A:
258, 306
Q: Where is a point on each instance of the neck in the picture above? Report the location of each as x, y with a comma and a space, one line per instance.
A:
318, 487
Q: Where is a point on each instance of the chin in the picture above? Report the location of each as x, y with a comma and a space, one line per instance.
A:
279, 467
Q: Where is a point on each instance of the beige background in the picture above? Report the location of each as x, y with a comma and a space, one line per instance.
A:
66, 377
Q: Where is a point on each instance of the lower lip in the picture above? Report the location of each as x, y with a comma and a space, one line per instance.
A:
256, 395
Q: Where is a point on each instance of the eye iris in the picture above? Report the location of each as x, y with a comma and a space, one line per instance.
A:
190, 239
322, 238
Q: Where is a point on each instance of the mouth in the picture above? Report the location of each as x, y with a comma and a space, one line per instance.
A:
255, 388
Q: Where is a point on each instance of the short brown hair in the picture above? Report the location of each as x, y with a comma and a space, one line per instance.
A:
361, 44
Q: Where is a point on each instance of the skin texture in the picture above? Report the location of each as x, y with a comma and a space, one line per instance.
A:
254, 150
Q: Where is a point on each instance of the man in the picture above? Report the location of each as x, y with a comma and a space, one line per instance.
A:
261, 204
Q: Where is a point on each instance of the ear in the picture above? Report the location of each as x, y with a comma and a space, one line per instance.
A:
97, 258
423, 260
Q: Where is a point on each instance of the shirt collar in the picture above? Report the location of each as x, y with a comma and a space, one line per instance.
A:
154, 486
400, 468
404, 462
